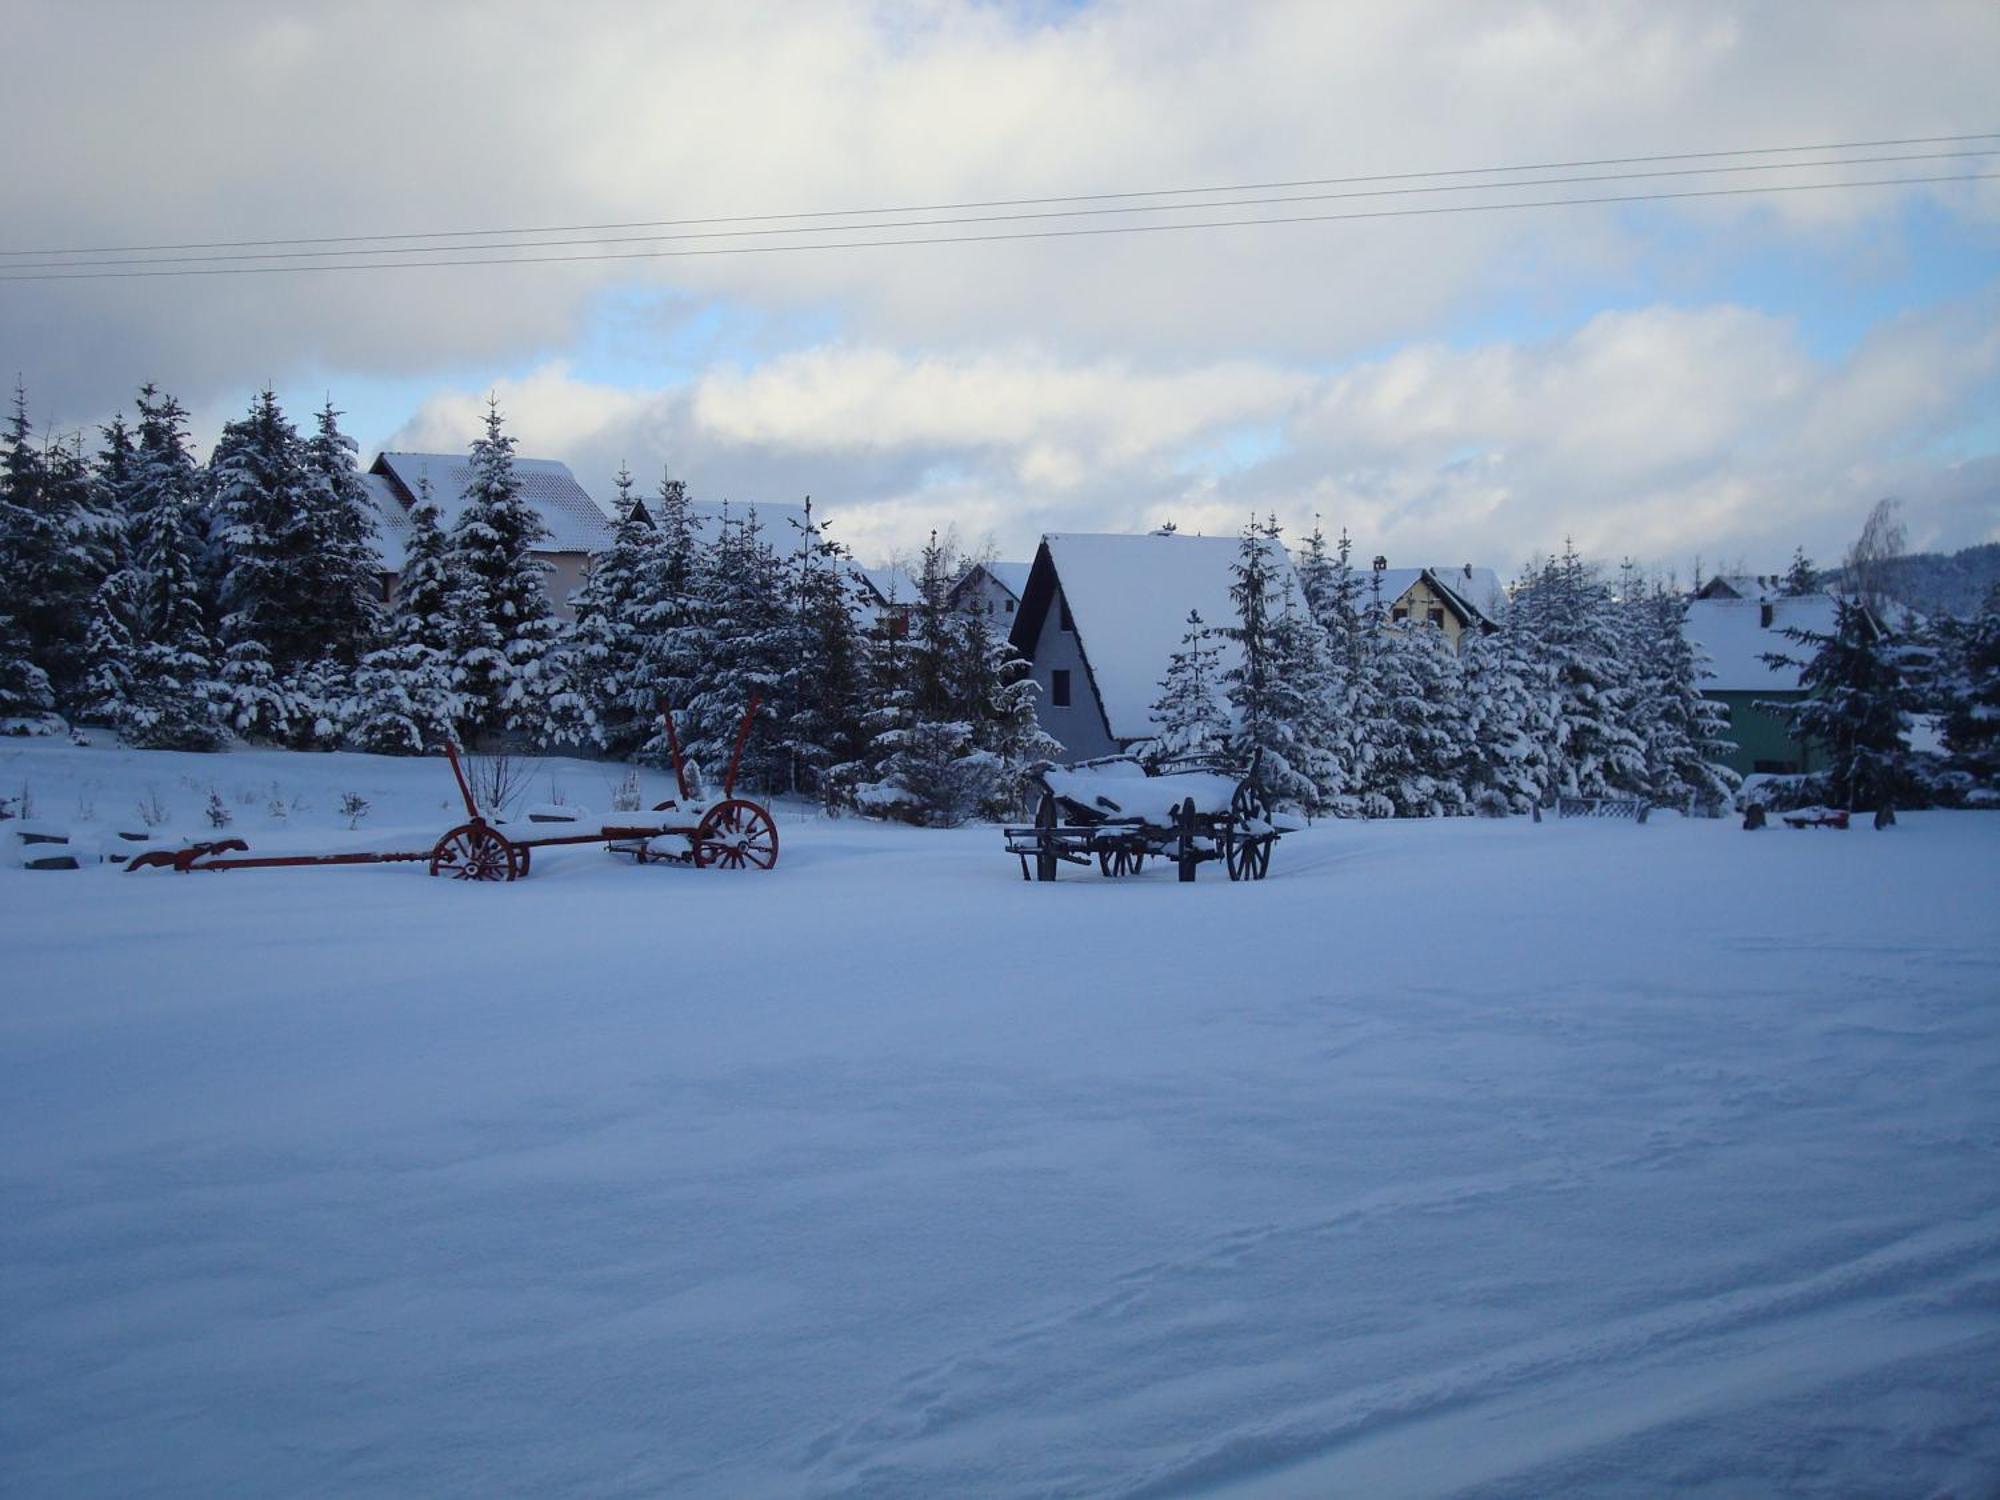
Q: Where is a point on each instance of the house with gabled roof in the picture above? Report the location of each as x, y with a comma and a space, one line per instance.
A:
577, 525
993, 589
1736, 630
1101, 616
1453, 599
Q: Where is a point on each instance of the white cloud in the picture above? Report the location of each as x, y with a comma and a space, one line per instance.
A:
1656, 433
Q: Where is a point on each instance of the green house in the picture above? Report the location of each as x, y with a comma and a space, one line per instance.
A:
1735, 623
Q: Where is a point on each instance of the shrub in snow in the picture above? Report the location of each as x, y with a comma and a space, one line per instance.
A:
217, 811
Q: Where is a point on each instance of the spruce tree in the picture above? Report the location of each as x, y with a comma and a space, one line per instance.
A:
1192, 720
405, 703
1686, 732
1853, 709
1802, 578
1509, 723
504, 625
602, 651
48, 561
1264, 687
346, 603
1972, 716
173, 677
821, 734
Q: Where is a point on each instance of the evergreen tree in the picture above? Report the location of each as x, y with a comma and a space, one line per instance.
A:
669, 617
1853, 709
740, 591
503, 624
1417, 756
1686, 732
1573, 620
256, 483
821, 734
342, 593
1802, 578
1191, 717
404, 701
602, 696
1509, 723
24, 687
48, 564
173, 669
1264, 687
1972, 718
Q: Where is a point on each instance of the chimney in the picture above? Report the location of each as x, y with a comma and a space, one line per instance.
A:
1764, 614
1381, 563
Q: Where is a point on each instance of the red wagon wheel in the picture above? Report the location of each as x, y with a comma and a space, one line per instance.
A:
736, 835
475, 852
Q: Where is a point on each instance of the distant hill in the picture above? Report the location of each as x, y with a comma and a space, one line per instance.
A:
1939, 583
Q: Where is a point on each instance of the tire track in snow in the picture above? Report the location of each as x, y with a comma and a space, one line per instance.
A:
1145, 1329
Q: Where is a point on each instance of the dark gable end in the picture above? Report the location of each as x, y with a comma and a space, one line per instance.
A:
1037, 599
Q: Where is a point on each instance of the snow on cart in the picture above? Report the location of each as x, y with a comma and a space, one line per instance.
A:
1117, 813
730, 833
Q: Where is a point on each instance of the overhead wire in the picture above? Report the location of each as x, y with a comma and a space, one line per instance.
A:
1541, 182
1025, 234
1274, 186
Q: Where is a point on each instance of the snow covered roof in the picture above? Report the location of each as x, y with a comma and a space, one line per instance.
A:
1737, 632
392, 523
576, 522
891, 584
1129, 597
1742, 586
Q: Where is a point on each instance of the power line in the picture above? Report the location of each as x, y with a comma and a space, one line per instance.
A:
1249, 187
1069, 213
1022, 234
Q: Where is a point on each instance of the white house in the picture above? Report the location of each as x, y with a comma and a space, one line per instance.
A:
993, 589
1100, 619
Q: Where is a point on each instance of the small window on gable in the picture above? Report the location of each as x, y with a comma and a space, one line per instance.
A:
1437, 618
1399, 613
1059, 688
1010, 606
1068, 620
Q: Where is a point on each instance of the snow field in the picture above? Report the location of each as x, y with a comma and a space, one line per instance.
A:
1459, 1157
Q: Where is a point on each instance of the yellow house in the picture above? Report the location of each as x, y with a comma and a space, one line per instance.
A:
1453, 599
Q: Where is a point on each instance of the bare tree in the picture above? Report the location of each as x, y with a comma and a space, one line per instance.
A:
1868, 560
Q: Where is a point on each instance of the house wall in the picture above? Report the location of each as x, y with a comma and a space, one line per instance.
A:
1080, 727
982, 596
566, 579
1420, 599
569, 569
1761, 736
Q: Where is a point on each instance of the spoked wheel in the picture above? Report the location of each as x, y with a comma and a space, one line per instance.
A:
1120, 860
1248, 849
736, 835
476, 852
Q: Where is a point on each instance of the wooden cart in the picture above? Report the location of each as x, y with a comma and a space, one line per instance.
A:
1117, 813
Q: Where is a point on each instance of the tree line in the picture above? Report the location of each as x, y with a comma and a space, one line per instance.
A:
186, 604
1579, 689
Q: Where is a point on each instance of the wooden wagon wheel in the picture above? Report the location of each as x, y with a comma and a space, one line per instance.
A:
1247, 853
736, 835
1045, 837
473, 851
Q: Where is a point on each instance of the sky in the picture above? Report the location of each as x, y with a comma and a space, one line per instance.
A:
1712, 380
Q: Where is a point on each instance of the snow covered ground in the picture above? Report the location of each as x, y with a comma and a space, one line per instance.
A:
1458, 1158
